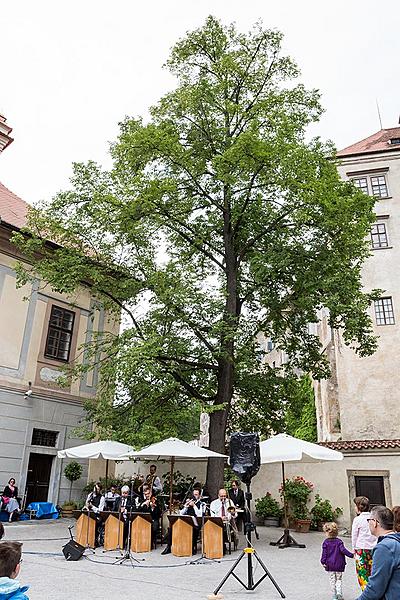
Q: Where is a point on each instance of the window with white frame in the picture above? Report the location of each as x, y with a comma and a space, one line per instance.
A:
373, 185
379, 238
384, 314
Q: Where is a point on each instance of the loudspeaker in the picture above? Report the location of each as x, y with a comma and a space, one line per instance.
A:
73, 550
245, 455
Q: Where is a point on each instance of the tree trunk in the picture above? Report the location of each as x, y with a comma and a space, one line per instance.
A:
219, 418
215, 467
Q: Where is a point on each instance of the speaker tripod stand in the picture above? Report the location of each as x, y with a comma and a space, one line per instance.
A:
250, 552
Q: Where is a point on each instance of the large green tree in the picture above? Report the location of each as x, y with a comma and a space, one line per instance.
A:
216, 222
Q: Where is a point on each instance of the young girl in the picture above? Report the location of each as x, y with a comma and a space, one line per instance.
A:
333, 559
362, 541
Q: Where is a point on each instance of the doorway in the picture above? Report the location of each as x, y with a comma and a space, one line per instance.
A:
371, 486
38, 478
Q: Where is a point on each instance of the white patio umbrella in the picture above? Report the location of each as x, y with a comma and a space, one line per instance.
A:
107, 449
285, 448
174, 449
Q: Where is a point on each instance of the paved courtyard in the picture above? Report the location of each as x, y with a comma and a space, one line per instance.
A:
297, 571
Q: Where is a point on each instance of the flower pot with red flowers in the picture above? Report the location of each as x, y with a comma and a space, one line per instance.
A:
296, 493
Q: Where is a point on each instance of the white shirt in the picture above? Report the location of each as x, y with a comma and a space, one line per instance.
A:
361, 537
216, 508
96, 509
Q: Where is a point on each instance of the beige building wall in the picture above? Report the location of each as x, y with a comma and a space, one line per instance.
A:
335, 480
24, 318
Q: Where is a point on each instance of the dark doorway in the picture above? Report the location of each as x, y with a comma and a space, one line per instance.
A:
38, 479
372, 487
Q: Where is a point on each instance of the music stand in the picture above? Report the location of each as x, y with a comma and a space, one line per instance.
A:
90, 515
203, 556
105, 514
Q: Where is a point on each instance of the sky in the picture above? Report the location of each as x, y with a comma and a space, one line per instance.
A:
71, 71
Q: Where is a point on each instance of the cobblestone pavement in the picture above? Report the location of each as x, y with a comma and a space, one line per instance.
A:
297, 571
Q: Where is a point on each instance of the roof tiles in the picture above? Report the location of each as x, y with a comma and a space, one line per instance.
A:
377, 142
361, 444
13, 209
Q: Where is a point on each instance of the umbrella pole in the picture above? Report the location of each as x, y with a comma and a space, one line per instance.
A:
106, 474
286, 540
285, 515
171, 477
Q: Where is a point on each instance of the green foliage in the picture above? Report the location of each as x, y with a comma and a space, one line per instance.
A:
106, 484
300, 416
70, 505
323, 511
73, 471
297, 494
229, 476
267, 506
181, 483
217, 221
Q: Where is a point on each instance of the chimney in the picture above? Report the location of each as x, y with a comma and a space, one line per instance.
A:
5, 130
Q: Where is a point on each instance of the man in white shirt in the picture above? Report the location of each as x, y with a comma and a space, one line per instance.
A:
224, 507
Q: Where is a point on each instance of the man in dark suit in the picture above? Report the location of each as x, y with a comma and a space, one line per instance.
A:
124, 505
237, 497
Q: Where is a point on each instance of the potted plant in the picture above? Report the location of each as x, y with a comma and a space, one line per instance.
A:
269, 509
296, 492
323, 512
73, 472
68, 507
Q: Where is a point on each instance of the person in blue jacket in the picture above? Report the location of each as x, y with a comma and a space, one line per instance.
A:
10, 564
384, 582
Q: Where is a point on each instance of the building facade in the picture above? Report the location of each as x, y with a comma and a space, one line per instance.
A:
40, 332
357, 407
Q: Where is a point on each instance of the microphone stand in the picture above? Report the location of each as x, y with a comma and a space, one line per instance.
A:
128, 554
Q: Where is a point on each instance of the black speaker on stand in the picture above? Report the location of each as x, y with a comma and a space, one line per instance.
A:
245, 463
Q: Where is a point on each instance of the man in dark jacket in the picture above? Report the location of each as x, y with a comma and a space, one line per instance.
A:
237, 497
384, 583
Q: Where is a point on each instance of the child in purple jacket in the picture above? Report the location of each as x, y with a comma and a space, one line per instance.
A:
333, 559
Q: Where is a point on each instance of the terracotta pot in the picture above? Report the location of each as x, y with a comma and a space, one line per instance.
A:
67, 512
303, 525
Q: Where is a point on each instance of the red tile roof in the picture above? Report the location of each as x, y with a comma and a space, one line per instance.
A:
377, 142
12, 208
361, 444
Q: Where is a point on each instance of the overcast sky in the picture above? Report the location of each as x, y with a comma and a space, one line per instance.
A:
70, 71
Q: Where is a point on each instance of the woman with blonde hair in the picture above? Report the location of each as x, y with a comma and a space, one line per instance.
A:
362, 541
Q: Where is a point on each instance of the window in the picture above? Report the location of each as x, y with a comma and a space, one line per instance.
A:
384, 311
375, 185
379, 188
43, 437
378, 236
361, 182
59, 335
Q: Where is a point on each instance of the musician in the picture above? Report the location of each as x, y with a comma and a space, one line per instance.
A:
194, 507
111, 497
154, 481
149, 505
95, 502
224, 507
124, 505
238, 499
